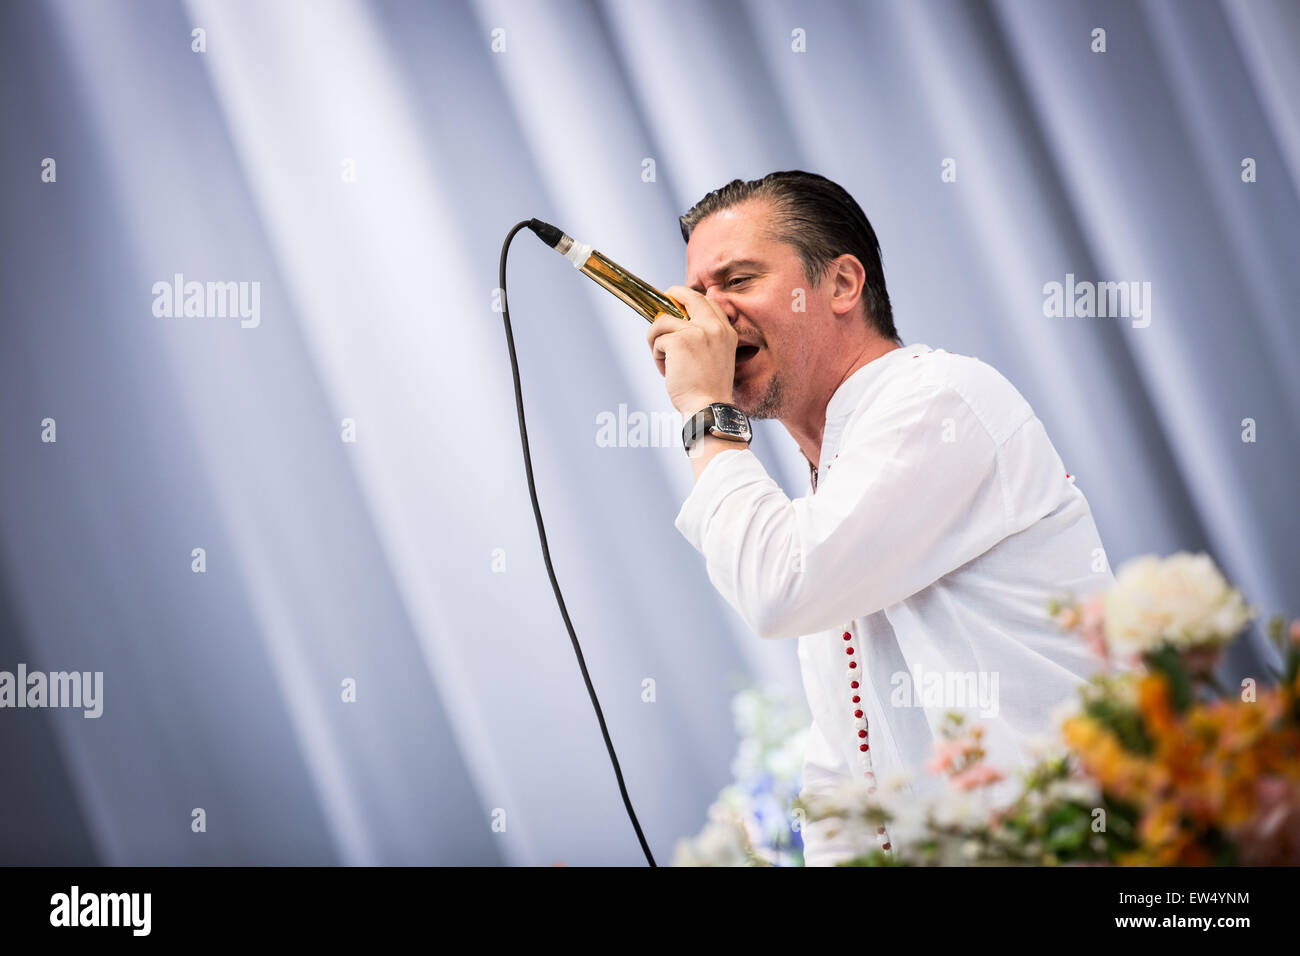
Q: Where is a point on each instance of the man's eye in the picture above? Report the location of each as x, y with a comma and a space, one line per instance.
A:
738, 279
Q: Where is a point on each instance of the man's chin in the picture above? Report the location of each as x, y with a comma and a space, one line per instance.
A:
759, 398
754, 408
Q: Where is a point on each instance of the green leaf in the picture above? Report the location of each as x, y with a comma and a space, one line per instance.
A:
1167, 662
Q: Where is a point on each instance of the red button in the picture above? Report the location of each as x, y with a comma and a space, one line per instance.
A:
848, 650
847, 635
857, 713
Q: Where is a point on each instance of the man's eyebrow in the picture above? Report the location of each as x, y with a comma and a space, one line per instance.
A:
728, 266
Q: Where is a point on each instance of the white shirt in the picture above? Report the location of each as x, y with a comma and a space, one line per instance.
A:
940, 522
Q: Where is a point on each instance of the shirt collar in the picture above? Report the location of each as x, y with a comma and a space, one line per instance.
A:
846, 397
849, 394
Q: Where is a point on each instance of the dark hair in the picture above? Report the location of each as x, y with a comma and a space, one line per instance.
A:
821, 221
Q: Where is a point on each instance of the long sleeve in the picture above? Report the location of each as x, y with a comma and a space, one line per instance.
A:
914, 493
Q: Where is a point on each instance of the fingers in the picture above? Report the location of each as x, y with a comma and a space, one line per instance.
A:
706, 315
707, 320
700, 308
663, 325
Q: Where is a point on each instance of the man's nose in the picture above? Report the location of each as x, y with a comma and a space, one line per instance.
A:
724, 302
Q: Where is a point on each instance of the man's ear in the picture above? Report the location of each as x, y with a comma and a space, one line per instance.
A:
848, 279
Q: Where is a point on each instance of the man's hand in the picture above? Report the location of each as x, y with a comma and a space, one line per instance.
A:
697, 357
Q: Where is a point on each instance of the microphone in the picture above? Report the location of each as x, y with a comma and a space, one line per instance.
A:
639, 294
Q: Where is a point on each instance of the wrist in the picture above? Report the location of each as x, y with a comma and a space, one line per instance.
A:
706, 446
695, 403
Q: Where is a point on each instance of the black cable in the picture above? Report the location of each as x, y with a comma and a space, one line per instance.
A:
546, 553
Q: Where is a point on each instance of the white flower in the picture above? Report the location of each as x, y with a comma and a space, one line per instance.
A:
1033, 800
1042, 747
786, 762
957, 808
732, 800
772, 727
848, 796
748, 759
1081, 790
720, 843
747, 710
1072, 706
1182, 600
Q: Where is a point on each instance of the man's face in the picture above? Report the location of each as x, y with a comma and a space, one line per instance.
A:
731, 259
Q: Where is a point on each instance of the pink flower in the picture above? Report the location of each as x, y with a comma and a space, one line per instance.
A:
1002, 814
976, 775
1093, 626
945, 752
1068, 618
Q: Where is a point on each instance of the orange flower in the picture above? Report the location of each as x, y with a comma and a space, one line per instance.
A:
1156, 708
1230, 766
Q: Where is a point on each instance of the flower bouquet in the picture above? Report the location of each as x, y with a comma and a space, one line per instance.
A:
1155, 764
751, 823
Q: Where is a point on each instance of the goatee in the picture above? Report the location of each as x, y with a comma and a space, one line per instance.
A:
770, 404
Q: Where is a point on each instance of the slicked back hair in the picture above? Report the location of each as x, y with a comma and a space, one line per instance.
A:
821, 221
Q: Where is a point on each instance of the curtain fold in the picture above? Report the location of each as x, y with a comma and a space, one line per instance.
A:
297, 540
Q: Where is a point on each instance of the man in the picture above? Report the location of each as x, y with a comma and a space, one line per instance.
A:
940, 520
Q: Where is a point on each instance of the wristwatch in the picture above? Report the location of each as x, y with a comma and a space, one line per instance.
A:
725, 421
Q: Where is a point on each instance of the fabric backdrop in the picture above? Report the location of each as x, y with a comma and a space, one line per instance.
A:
346, 454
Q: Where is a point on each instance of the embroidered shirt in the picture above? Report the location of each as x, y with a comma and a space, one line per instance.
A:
943, 521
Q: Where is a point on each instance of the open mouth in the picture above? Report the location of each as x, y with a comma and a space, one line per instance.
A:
745, 353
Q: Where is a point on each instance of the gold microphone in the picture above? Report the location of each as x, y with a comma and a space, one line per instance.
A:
639, 294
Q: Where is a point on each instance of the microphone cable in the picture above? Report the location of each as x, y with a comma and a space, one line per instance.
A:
546, 553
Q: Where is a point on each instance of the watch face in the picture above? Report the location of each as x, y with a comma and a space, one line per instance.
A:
731, 420
728, 418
